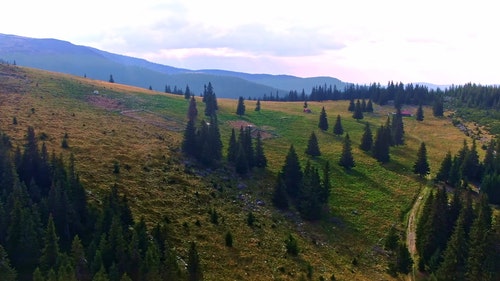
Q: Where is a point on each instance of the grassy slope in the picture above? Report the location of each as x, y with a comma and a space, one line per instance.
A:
364, 202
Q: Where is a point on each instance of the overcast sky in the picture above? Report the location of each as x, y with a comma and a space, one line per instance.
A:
360, 41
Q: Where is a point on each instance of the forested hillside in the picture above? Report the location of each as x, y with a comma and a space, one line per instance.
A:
111, 182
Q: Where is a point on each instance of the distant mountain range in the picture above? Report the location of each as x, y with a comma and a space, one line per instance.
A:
65, 57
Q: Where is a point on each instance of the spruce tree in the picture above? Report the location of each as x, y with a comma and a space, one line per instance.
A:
337, 128
241, 163
309, 204
189, 142
369, 106
194, 266
291, 173
192, 110
380, 149
444, 170
323, 121
50, 253
366, 139
260, 157
187, 93
210, 100
455, 255
438, 107
421, 166
240, 109
471, 167
326, 185
313, 146
358, 111
7, 272
420, 113
397, 128
257, 105
232, 148
346, 159
352, 105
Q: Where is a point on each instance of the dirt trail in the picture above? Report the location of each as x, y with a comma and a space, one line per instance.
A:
411, 228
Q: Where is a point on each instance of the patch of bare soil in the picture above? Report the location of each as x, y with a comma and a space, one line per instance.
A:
105, 103
265, 132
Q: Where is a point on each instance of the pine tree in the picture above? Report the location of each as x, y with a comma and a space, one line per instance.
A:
190, 142
366, 139
346, 159
323, 121
210, 100
240, 109
358, 111
309, 204
337, 128
380, 149
369, 106
7, 272
403, 262
312, 146
257, 105
232, 148
444, 171
50, 252
291, 173
260, 157
471, 167
291, 245
192, 110
489, 158
325, 187
352, 105
421, 166
241, 163
397, 128
111, 80
438, 107
420, 113
187, 93
194, 266
455, 255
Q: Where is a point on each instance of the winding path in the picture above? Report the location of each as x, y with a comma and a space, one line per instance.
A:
411, 228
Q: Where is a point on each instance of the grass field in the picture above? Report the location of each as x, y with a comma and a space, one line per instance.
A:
140, 130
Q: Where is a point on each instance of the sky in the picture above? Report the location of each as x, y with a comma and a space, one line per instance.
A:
360, 41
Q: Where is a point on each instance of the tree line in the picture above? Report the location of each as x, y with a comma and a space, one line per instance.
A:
49, 231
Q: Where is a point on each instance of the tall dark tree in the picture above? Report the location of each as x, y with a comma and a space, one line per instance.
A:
358, 111
444, 170
260, 157
346, 159
194, 266
257, 105
291, 173
397, 128
190, 142
366, 139
471, 166
420, 113
50, 253
187, 93
369, 106
489, 158
455, 255
192, 110
309, 204
232, 148
323, 120
7, 272
421, 166
241, 162
326, 185
313, 146
111, 79
352, 105
210, 100
337, 128
380, 149
438, 107
240, 109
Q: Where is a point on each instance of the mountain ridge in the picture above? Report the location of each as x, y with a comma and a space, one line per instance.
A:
63, 56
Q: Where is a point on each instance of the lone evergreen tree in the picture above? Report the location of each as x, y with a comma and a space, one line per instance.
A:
257, 105
312, 146
421, 166
347, 160
352, 105
240, 109
420, 113
187, 93
323, 121
210, 100
111, 80
366, 139
397, 129
337, 128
